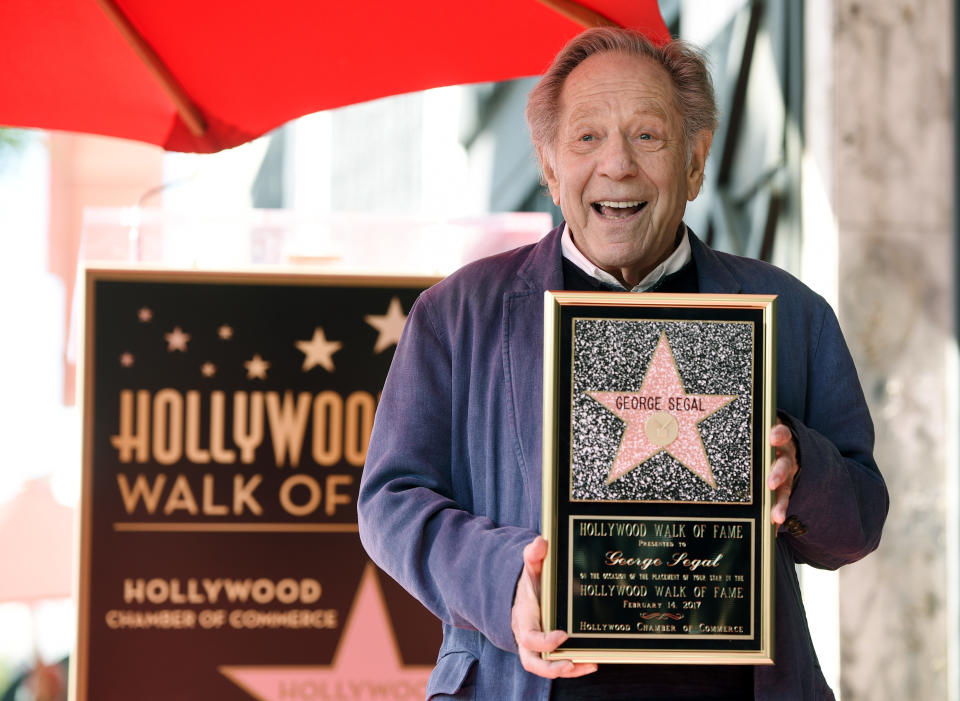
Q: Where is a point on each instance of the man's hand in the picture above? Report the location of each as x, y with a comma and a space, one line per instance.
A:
784, 470
525, 621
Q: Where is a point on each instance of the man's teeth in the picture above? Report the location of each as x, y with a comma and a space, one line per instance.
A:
622, 209
621, 205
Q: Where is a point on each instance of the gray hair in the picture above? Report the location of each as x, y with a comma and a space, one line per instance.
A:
693, 89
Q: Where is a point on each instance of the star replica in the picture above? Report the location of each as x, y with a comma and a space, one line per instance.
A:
177, 340
318, 351
662, 417
390, 325
256, 367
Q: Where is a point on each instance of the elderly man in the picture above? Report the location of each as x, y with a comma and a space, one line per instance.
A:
449, 503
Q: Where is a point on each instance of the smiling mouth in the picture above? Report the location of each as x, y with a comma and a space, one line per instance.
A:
618, 210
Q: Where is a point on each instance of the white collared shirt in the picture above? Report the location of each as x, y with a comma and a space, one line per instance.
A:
671, 264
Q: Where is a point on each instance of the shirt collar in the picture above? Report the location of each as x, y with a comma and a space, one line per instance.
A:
671, 264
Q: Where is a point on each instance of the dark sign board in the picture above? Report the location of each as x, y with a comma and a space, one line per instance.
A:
226, 420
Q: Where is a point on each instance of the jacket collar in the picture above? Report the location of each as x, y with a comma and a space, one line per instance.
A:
713, 274
543, 268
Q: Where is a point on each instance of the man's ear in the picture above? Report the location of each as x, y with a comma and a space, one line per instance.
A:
698, 160
549, 175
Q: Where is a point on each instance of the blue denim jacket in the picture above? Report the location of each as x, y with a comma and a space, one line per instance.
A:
450, 493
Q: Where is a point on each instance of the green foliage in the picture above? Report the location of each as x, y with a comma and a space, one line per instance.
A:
11, 140
12, 143
6, 669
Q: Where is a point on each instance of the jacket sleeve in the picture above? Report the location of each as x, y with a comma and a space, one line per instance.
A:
839, 504
414, 504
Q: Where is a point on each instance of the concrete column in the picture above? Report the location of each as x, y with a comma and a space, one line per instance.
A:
892, 190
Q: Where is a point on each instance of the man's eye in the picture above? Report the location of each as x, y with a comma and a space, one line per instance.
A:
645, 137
586, 137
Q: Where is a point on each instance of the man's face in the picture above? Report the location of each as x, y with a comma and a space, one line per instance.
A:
618, 169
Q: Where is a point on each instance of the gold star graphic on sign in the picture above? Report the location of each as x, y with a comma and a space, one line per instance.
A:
662, 417
390, 325
318, 351
145, 314
225, 332
208, 369
126, 360
177, 340
256, 368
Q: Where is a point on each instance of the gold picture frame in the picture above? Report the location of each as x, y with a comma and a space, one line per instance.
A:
657, 409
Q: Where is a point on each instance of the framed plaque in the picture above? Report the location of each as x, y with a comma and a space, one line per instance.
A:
657, 411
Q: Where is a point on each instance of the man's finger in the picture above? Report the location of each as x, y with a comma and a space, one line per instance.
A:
780, 436
534, 554
581, 669
531, 642
553, 669
780, 473
778, 514
780, 479
538, 641
525, 621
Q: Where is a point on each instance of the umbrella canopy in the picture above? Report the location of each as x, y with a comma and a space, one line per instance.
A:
36, 545
204, 76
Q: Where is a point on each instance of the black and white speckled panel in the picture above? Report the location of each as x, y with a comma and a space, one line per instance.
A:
712, 358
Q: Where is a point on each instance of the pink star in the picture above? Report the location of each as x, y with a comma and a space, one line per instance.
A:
662, 417
367, 660
177, 340
256, 367
318, 350
390, 325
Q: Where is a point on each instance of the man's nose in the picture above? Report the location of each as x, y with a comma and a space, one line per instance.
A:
618, 159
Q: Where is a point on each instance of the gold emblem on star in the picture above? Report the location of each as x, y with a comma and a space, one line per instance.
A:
661, 429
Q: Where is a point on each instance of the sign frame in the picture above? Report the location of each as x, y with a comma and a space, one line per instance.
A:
581, 505
85, 659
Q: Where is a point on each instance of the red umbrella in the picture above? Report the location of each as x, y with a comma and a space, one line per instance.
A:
204, 75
